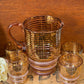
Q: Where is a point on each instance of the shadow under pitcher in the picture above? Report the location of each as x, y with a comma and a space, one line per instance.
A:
42, 42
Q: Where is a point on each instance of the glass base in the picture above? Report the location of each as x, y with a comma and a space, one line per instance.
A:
67, 80
43, 68
18, 79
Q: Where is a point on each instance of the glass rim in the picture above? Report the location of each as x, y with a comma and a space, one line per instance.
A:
30, 18
59, 61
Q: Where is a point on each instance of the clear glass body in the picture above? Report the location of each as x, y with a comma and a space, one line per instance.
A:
18, 68
43, 35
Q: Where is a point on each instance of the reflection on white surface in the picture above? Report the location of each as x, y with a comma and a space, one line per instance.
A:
3, 69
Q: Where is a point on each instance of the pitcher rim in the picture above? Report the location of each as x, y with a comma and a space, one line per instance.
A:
50, 31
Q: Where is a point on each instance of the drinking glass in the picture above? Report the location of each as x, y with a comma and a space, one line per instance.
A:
17, 64
70, 62
70, 67
42, 37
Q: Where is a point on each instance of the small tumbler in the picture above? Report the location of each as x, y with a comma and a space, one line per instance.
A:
70, 68
70, 62
17, 65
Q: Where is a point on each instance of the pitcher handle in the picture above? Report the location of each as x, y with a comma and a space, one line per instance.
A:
18, 43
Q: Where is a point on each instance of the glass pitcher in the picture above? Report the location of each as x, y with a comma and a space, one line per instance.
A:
42, 42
